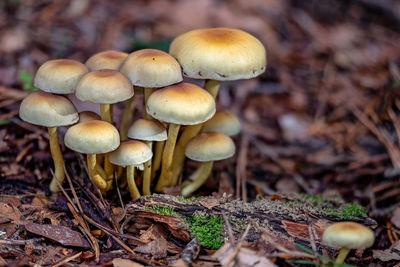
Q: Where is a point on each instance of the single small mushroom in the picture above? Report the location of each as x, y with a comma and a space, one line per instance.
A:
149, 131
178, 104
348, 235
206, 148
215, 54
130, 154
88, 115
59, 76
223, 122
150, 69
109, 59
91, 138
51, 111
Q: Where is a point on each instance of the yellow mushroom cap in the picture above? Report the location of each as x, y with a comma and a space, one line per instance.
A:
223, 122
132, 152
59, 76
210, 146
222, 54
104, 87
109, 59
147, 130
87, 115
182, 103
92, 137
151, 68
45, 109
349, 235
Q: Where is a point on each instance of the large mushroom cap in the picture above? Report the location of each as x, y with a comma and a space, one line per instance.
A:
131, 152
147, 130
221, 54
182, 103
92, 137
104, 87
109, 59
223, 122
48, 110
59, 76
348, 235
151, 68
210, 146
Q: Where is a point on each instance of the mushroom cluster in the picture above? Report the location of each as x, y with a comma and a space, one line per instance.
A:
180, 117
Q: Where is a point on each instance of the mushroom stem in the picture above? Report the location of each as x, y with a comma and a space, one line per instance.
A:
105, 110
57, 158
157, 158
165, 177
147, 173
127, 117
342, 255
147, 92
97, 179
130, 176
212, 86
179, 153
198, 178
108, 167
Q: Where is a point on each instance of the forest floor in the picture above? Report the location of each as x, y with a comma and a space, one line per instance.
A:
320, 139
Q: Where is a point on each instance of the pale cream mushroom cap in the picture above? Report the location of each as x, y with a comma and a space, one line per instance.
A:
147, 130
349, 235
87, 115
132, 152
223, 122
46, 109
109, 59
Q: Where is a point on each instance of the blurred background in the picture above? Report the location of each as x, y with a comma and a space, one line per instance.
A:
322, 117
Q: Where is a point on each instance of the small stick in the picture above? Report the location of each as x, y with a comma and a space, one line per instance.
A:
68, 259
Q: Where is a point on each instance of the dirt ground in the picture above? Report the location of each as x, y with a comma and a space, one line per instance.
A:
322, 120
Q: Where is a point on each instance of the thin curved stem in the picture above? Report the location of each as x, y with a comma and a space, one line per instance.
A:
157, 158
127, 117
166, 172
147, 92
130, 176
105, 111
198, 178
58, 160
342, 255
147, 174
97, 179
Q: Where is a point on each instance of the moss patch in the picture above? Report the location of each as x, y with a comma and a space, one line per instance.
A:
189, 200
162, 210
208, 229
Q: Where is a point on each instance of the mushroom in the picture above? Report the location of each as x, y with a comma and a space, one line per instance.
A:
52, 111
178, 104
223, 122
215, 54
130, 154
91, 138
109, 59
88, 116
149, 131
150, 69
206, 148
59, 76
348, 235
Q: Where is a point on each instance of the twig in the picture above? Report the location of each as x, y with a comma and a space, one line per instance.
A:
229, 227
241, 168
68, 259
236, 250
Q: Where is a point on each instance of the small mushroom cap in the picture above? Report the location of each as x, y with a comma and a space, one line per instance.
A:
223, 122
104, 87
92, 137
182, 103
59, 76
147, 130
45, 109
349, 235
222, 54
210, 146
87, 115
151, 68
132, 152
109, 59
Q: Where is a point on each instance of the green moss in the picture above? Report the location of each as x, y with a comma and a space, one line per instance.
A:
162, 210
188, 200
208, 229
349, 211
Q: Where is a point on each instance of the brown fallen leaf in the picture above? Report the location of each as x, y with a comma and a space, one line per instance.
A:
396, 217
59, 234
118, 262
389, 254
209, 203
